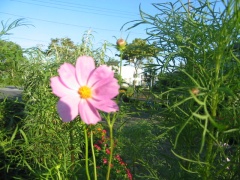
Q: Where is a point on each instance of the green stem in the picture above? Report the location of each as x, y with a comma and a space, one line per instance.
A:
110, 124
71, 145
86, 152
120, 79
94, 158
209, 155
214, 106
111, 153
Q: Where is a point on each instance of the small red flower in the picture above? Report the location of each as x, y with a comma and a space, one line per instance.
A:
104, 131
97, 147
122, 163
105, 161
118, 157
129, 174
103, 138
100, 142
108, 151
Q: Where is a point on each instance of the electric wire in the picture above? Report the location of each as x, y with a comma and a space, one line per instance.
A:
64, 3
67, 24
61, 3
73, 10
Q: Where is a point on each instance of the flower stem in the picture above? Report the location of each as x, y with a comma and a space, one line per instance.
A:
110, 124
121, 59
86, 153
71, 145
94, 158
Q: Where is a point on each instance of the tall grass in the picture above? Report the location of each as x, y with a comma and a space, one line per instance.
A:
200, 47
188, 128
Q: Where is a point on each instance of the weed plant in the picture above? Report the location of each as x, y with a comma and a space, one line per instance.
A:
186, 128
200, 51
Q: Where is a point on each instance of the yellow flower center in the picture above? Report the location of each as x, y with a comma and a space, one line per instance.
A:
85, 92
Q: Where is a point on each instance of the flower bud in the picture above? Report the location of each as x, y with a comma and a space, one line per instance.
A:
195, 91
121, 44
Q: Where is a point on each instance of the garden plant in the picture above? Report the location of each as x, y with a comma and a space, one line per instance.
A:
75, 121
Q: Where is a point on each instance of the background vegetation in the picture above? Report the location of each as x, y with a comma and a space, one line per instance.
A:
185, 126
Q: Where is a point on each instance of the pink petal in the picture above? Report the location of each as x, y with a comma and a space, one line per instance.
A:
68, 107
58, 88
105, 89
106, 106
67, 75
88, 113
84, 67
102, 72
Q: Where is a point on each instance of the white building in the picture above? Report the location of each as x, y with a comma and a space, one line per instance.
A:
129, 75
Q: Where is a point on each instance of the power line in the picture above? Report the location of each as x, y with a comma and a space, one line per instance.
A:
66, 24
13, 39
90, 7
70, 5
109, 15
36, 40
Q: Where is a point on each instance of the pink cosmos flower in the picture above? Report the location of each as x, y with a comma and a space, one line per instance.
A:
84, 90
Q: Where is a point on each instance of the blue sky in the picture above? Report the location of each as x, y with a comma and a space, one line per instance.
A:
72, 18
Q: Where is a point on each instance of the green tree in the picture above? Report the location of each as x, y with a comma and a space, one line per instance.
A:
62, 49
11, 59
65, 50
139, 50
11, 54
